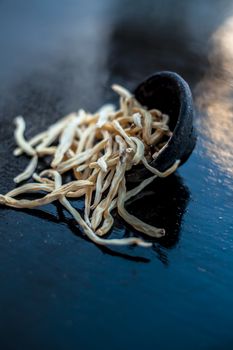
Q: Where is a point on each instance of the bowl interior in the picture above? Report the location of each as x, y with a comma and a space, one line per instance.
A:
161, 92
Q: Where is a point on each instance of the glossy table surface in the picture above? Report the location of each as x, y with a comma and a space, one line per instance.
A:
58, 290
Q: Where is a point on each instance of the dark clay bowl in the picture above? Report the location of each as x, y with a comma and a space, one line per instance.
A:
169, 93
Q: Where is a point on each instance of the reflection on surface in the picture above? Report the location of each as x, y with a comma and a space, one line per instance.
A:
215, 99
162, 204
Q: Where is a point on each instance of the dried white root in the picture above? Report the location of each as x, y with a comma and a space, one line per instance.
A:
19, 136
28, 172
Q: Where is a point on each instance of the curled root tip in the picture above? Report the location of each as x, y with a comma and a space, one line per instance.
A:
162, 232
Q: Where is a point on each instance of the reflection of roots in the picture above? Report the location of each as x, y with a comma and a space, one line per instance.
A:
163, 203
215, 95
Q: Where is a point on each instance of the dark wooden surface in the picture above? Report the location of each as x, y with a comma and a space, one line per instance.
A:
58, 290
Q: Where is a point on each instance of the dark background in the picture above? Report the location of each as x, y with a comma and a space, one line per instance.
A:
58, 290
